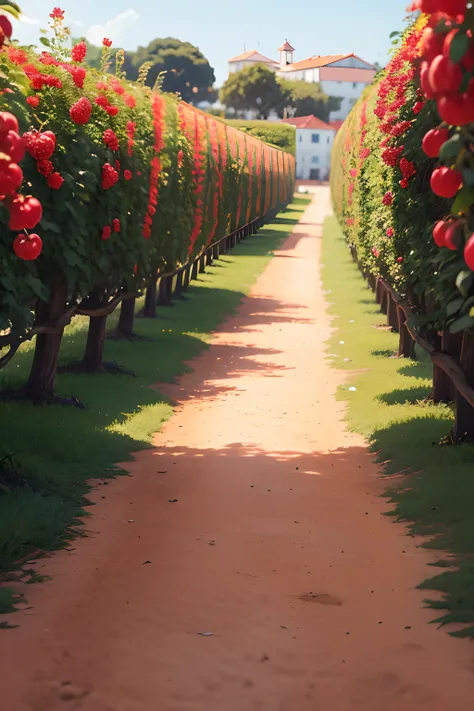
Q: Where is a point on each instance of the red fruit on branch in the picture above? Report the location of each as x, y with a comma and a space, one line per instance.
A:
116, 225
400, 260
457, 109
431, 44
439, 233
425, 82
469, 253
80, 112
15, 146
25, 213
127, 174
6, 26
452, 236
453, 8
8, 123
55, 181
27, 247
433, 141
50, 135
445, 182
444, 76
106, 232
11, 175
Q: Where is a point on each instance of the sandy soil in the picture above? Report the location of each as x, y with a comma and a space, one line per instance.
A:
247, 564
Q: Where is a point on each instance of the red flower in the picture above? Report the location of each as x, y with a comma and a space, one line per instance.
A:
130, 101
117, 87
400, 260
37, 82
117, 165
48, 60
79, 52
375, 251
110, 139
55, 181
109, 176
391, 156
80, 112
112, 110
107, 42
78, 74
101, 86
180, 158
45, 167
131, 126
57, 14
33, 101
418, 107
127, 174
102, 101
404, 183
106, 232
390, 232
388, 199
17, 56
116, 225
407, 168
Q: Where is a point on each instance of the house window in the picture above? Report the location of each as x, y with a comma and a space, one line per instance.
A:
315, 159
354, 85
329, 139
315, 138
300, 138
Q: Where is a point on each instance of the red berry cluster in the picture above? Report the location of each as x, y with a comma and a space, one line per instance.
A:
109, 176
80, 112
110, 139
78, 52
158, 108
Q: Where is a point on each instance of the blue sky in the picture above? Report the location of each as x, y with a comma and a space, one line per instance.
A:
222, 30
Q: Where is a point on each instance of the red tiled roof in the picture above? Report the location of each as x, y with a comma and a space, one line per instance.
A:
309, 122
356, 76
336, 125
253, 54
286, 47
317, 62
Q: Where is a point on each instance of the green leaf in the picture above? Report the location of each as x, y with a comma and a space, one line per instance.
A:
45, 41
464, 200
11, 8
468, 176
464, 282
394, 34
451, 148
459, 47
454, 306
461, 324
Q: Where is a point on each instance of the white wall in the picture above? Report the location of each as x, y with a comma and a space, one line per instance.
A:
313, 156
349, 92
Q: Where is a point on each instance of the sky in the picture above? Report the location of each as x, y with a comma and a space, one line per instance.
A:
226, 30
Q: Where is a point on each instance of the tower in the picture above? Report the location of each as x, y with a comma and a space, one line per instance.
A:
286, 54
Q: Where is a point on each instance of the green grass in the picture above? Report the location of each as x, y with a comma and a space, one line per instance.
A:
55, 451
436, 498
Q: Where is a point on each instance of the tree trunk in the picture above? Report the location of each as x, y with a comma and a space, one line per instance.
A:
92, 361
406, 344
371, 280
215, 251
40, 385
149, 309
463, 429
443, 388
127, 316
392, 318
194, 270
202, 263
384, 300
209, 258
378, 291
178, 289
165, 291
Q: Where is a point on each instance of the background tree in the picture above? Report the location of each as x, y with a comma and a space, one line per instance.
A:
185, 70
307, 99
254, 88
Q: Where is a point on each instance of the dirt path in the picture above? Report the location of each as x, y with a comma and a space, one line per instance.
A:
255, 522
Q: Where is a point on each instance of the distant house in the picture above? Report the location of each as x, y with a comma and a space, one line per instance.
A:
344, 76
247, 59
314, 139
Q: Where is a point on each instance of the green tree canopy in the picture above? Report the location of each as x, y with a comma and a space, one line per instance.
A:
308, 99
254, 88
184, 69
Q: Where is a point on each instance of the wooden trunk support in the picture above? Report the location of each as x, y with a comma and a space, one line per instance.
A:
406, 344
202, 263
392, 318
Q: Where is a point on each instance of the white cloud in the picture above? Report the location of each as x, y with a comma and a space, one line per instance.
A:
113, 29
76, 23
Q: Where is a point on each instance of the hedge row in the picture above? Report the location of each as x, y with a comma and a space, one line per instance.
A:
392, 196
120, 185
278, 135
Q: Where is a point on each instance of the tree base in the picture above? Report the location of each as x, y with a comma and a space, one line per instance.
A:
118, 336
25, 394
83, 368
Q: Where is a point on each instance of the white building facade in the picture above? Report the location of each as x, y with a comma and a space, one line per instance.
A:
344, 76
314, 141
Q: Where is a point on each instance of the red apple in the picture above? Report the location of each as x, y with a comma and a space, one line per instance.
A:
433, 141
27, 247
